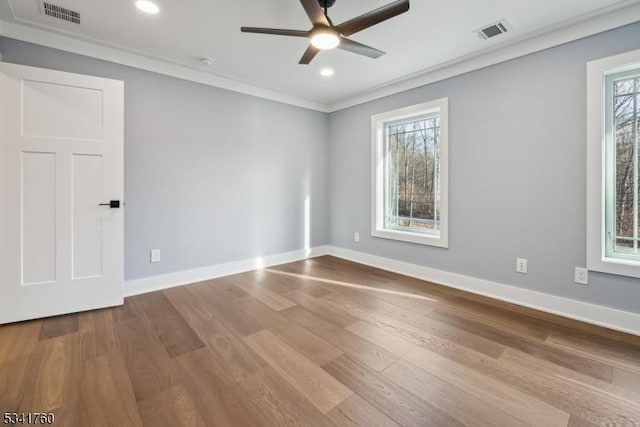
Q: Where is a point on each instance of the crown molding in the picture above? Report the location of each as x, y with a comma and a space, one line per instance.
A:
117, 55
623, 13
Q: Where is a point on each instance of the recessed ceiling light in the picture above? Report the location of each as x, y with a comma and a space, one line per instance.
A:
327, 72
206, 61
147, 7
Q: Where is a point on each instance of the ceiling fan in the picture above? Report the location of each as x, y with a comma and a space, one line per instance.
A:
324, 35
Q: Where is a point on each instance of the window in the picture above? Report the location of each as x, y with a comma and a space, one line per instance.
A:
613, 165
410, 173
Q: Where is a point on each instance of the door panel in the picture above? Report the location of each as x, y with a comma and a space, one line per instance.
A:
38, 218
61, 156
61, 111
87, 216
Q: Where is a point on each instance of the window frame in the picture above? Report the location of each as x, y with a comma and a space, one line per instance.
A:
378, 187
599, 74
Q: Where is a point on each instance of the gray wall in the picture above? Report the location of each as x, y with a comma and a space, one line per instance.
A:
211, 176
517, 173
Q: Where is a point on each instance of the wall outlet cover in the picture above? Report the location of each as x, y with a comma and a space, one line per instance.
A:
521, 265
155, 255
581, 276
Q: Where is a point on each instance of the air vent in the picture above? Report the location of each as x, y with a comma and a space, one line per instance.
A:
493, 30
61, 13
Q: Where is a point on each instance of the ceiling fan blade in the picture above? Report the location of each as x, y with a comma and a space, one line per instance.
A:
275, 31
315, 12
359, 48
374, 17
309, 54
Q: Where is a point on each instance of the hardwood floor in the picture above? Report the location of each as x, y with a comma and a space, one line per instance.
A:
319, 342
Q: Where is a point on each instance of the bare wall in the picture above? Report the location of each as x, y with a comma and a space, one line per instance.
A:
211, 176
517, 173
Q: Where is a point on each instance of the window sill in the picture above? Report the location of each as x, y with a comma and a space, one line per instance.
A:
407, 236
617, 266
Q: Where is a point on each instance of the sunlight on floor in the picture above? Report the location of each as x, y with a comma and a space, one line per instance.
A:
352, 285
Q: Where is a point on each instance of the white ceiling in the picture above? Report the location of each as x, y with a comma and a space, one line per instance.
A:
432, 33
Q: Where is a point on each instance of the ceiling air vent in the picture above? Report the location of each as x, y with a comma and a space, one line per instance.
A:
60, 12
494, 29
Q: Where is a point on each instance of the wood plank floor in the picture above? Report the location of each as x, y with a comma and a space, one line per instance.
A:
319, 342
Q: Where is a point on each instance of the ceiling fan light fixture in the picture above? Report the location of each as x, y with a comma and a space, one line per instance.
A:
325, 39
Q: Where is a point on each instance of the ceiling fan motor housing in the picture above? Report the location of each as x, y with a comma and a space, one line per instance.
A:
326, 3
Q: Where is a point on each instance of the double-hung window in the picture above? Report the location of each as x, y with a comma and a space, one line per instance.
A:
409, 174
613, 165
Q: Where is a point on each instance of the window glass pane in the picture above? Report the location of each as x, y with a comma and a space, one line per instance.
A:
625, 126
623, 87
635, 135
413, 192
624, 181
624, 109
624, 246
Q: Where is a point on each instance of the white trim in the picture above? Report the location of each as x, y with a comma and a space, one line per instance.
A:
119, 55
185, 277
597, 72
607, 317
410, 237
622, 13
585, 312
378, 122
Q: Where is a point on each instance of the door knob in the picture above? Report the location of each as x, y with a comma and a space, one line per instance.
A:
113, 204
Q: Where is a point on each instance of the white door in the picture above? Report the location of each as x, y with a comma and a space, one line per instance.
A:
61, 157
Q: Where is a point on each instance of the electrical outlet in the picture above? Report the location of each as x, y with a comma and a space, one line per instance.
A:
356, 237
521, 265
155, 255
581, 276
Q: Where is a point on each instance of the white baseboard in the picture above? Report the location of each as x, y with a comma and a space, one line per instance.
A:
170, 280
585, 312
